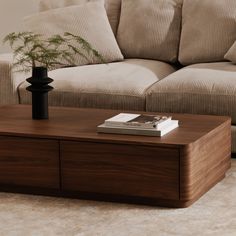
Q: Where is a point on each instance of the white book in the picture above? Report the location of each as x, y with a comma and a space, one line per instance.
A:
138, 131
138, 121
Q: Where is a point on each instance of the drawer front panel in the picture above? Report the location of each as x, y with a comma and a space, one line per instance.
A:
29, 162
128, 170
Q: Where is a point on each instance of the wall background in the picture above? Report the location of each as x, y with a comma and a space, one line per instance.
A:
11, 14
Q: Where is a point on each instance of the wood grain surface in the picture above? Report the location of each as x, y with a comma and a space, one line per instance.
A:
120, 169
80, 125
29, 162
204, 163
66, 155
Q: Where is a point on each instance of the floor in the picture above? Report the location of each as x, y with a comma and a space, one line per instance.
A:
214, 214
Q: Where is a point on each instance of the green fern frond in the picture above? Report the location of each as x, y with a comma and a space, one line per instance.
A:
31, 49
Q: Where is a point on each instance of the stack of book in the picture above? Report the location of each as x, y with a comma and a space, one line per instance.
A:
138, 124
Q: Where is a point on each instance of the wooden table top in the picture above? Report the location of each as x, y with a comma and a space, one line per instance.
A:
80, 124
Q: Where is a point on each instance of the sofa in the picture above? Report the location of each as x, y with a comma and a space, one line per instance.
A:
181, 63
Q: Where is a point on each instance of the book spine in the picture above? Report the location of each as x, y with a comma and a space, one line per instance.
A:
128, 131
146, 132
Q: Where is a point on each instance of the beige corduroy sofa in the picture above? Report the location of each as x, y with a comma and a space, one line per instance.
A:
186, 72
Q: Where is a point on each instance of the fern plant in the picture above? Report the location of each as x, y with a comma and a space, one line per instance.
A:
31, 50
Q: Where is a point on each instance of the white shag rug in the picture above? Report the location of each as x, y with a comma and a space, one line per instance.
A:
214, 214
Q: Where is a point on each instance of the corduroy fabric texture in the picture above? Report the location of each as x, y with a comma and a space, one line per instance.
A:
120, 85
198, 89
112, 8
208, 30
9, 80
231, 54
86, 20
150, 29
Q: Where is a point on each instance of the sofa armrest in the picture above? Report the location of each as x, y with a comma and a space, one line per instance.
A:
9, 80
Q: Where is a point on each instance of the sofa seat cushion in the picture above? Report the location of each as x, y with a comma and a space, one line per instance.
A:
120, 85
208, 88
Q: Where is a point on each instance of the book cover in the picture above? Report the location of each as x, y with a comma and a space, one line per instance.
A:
138, 120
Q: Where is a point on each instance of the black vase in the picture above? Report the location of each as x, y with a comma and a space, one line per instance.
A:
39, 88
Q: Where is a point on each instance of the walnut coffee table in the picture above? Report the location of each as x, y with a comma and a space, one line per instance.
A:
65, 156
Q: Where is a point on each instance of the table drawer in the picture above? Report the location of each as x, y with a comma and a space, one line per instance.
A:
29, 162
129, 170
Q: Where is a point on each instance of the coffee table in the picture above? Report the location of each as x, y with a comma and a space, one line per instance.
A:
65, 156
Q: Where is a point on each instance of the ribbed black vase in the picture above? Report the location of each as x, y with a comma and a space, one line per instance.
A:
39, 88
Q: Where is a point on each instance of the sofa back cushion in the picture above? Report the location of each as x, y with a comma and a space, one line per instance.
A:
231, 54
112, 8
150, 29
208, 30
86, 20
